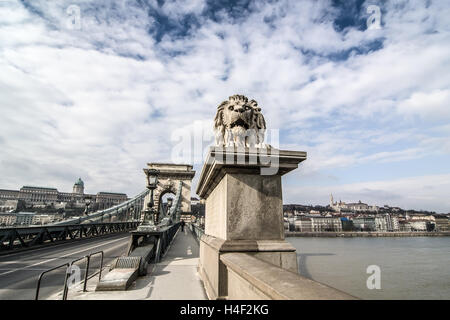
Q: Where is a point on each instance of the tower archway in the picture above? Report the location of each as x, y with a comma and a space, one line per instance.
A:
164, 201
169, 179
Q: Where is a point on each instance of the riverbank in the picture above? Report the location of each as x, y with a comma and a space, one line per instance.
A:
365, 234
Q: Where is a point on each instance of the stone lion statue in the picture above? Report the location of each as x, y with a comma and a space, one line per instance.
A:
239, 123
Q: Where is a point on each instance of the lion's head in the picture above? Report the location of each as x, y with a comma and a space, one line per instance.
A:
236, 111
239, 122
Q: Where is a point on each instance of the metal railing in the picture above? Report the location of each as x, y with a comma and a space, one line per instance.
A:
38, 288
197, 231
86, 278
165, 240
69, 272
162, 238
21, 238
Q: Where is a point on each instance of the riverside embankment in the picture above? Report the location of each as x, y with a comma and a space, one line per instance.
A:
365, 234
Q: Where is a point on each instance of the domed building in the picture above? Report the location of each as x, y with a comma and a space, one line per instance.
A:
78, 187
44, 196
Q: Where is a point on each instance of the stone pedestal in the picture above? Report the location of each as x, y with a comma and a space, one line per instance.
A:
244, 210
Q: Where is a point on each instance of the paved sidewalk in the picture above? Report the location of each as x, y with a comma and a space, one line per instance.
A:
174, 278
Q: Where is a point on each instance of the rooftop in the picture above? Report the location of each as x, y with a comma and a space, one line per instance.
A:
79, 182
112, 193
36, 187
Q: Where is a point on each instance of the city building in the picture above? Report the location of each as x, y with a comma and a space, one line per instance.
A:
381, 224
43, 196
40, 219
361, 217
110, 197
38, 194
27, 218
356, 207
364, 223
391, 223
442, 222
418, 225
24, 218
347, 224
7, 219
11, 205
317, 223
286, 223
404, 226
303, 224
9, 194
422, 217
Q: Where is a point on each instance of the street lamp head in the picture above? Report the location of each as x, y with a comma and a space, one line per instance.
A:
87, 200
169, 202
152, 178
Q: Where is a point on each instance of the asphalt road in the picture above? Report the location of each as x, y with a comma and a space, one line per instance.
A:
19, 271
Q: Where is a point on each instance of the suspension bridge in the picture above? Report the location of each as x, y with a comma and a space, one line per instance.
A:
140, 249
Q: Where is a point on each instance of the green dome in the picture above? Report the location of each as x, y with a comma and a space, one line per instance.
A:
79, 182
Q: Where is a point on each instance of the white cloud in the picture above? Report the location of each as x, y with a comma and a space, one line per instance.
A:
434, 105
179, 8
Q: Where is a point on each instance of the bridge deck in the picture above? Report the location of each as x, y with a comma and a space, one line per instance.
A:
174, 278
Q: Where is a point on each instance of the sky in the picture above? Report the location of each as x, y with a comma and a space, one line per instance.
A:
97, 89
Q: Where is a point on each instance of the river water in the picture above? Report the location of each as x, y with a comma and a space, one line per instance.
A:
410, 268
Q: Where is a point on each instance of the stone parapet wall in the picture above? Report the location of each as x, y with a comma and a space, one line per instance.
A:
250, 278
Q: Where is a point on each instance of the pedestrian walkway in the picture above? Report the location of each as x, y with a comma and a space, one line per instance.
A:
175, 277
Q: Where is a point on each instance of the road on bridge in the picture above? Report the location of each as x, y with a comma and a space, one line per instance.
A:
20, 271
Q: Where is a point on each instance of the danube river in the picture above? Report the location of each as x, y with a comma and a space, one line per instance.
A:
410, 268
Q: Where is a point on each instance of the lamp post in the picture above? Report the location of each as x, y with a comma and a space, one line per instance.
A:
169, 205
155, 216
152, 182
131, 213
87, 202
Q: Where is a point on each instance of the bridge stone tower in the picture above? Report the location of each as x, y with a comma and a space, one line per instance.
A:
244, 212
169, 179
241, 185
